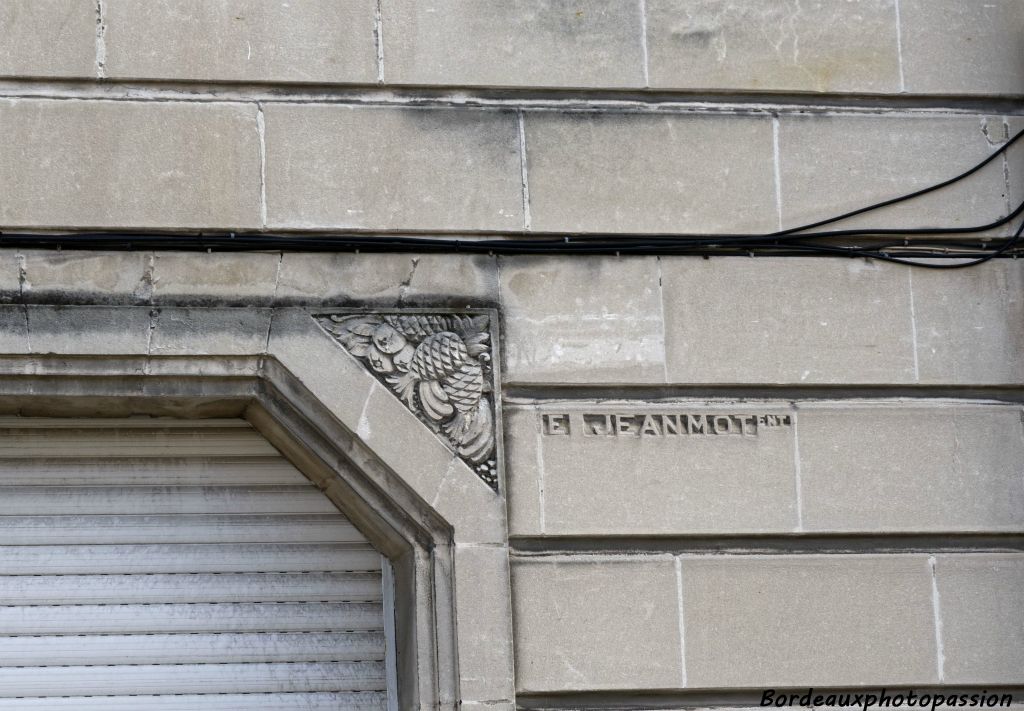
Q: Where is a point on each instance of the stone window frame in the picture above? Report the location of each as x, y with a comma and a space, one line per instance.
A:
414, 499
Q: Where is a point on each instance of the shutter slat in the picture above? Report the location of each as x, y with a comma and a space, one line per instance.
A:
192, 679
197, 587
96, 650
359, 701
153, 471
142, 500
187, 558
194, 617
186, 528
158, 442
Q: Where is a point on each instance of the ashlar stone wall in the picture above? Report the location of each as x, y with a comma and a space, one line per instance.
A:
721, 475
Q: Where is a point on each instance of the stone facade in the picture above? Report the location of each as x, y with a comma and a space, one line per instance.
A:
708, 477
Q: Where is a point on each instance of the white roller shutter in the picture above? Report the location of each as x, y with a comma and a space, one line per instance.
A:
186, 565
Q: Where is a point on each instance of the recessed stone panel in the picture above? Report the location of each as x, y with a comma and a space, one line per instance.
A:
640, 172
582, 320
774, 45
787, 320
911, 467
956, 47
799, 621
97, 164
830, 164
305, 41
47, 38
968, 323
596, 623
981, 603
513, 43
669, 468
392, 168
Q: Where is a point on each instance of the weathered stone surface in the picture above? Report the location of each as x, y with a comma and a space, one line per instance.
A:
969, 323
308, 41
981, 597
81, 330
582, 320
515, 43
11, 262
299, 345
830, 164
189, 331
646, 480
786, 320
484, 612
47, 38
952, 47
596, 623
128, 164
14, 329
392, 168
388, 279
776, 621
87, 277
220, 278
778, 45
524, 490
612, 172
902, 467
473, 508
395, 434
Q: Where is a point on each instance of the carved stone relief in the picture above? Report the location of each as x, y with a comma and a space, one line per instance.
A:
440, 366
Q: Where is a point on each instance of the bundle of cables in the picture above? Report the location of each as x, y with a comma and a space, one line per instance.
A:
919, 247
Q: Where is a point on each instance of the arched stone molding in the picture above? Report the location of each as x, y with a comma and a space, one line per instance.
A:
442, 527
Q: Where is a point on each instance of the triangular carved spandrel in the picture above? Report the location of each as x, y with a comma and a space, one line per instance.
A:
440, 365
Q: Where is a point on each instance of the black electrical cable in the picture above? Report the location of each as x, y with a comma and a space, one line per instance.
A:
794, 240
911, 195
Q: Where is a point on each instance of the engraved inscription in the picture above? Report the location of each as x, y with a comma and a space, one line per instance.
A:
660, 425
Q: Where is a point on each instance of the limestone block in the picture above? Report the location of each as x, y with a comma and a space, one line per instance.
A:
595, 623
787, 320
11, 263
484, 613
905, 467
309, 41
388, 279
87, 277
14, 329
778, 45
649, 173
128, 164
217, 278
668, 468
524, 491
582, 320
911, 468
954, 47
89, 329
969, 323
516, 43
209, 331
980, 602
335, 378
829, 164
798, 621
47, 38
392, 168
395, 435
